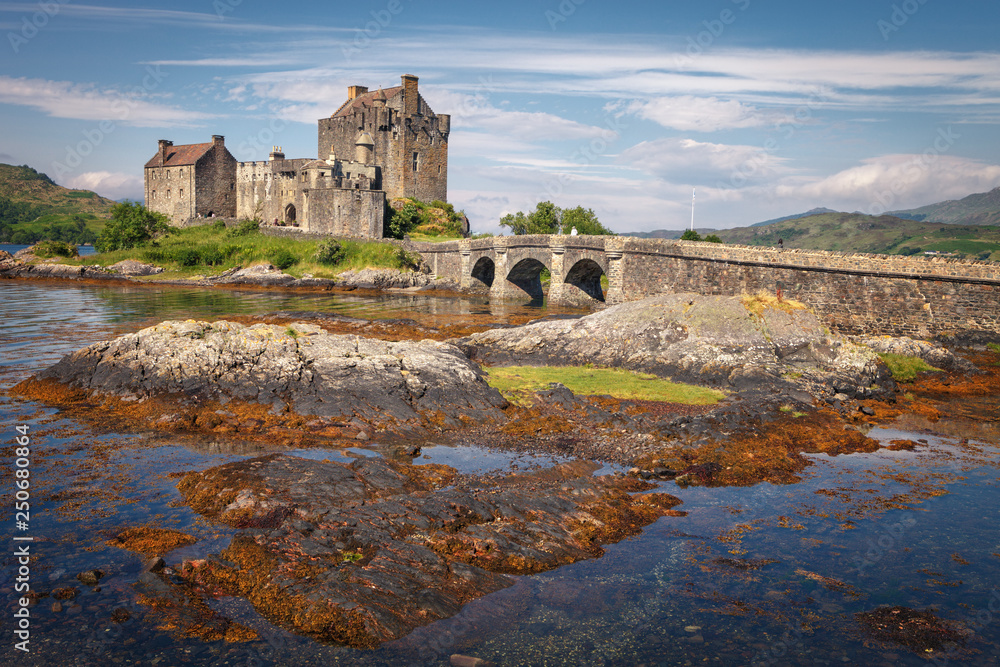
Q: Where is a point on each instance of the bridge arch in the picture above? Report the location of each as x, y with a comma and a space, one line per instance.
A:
526, 277
582, 283
484, 271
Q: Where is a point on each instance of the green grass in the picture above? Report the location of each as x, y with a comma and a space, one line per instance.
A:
904, 368
212, 249
993, 347
516, 382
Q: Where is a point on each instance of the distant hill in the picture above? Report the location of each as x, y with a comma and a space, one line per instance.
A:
668, 233
815, 211
977, 209
886, 234
33, 207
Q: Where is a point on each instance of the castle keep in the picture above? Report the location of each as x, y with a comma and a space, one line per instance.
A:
377, 147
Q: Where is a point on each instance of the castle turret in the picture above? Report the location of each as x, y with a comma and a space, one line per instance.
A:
365, 149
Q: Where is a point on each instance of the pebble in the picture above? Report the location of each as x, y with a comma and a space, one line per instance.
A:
692, 628
458, 660
57, 607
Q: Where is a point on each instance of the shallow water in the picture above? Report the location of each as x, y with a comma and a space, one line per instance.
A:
763, 575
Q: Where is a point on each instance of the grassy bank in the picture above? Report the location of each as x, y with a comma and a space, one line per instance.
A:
212, 249
517, 382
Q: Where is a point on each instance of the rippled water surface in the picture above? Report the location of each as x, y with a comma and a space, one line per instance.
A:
768, 575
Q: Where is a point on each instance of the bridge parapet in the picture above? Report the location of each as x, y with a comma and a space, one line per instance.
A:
855, 292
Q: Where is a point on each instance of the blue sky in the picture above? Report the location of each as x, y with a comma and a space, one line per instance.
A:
768, 107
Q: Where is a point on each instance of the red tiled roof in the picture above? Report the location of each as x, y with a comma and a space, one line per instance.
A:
178, 156
365, 100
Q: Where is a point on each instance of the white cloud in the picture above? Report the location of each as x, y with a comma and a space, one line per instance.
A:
701, 114
64, 99
113, 185
689, 161
893, 182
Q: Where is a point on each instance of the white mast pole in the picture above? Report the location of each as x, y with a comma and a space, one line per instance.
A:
692, 208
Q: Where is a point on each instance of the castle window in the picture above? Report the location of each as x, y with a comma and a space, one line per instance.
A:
415, 161
180, 192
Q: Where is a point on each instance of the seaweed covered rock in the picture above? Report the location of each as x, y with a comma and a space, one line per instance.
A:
737, 342
365, 552
298, 369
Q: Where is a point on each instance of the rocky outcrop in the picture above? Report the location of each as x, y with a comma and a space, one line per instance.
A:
933, 353
710, 340
363, 553
16, 269
298, 368
131, 267
383, 279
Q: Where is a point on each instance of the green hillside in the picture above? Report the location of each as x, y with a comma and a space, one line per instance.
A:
885, 234
33, 208
978, 209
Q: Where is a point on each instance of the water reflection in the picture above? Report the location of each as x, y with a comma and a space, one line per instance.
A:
764, 575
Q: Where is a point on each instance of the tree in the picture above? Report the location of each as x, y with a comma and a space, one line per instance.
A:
713, 238
547, 218
690, 235
131, 224
584, 221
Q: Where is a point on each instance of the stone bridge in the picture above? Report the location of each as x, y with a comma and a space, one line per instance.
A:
856, 293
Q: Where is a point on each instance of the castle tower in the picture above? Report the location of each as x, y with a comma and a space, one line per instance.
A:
409, 142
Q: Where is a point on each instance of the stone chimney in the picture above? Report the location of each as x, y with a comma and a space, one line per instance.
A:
353, 92
411, 96
276, 153
219, 140
164, 145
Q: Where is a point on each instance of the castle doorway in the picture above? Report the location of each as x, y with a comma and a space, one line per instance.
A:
290, 213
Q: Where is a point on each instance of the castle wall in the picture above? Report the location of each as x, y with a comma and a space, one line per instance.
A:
215, 184
171, 191
352, 213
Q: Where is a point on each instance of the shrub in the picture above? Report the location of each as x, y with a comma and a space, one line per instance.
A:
186, 256
330, 252
713, 238
45, 249
690, 235
219, 225
283, 259
131, 224
403, 220
245, 228
211, 255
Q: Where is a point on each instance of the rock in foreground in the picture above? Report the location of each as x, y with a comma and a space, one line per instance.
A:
298, 369
366, 552
740, 343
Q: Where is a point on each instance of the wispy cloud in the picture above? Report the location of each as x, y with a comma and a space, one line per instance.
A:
64, 99
216, 20
701, 114
690, 161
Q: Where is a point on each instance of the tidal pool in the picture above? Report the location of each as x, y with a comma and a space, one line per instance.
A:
761, 575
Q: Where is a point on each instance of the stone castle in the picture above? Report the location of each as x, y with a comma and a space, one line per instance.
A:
380, 146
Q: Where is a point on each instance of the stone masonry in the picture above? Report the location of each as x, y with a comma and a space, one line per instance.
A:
378, 146
854, 293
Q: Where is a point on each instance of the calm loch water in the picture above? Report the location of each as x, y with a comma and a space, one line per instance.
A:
766, 575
